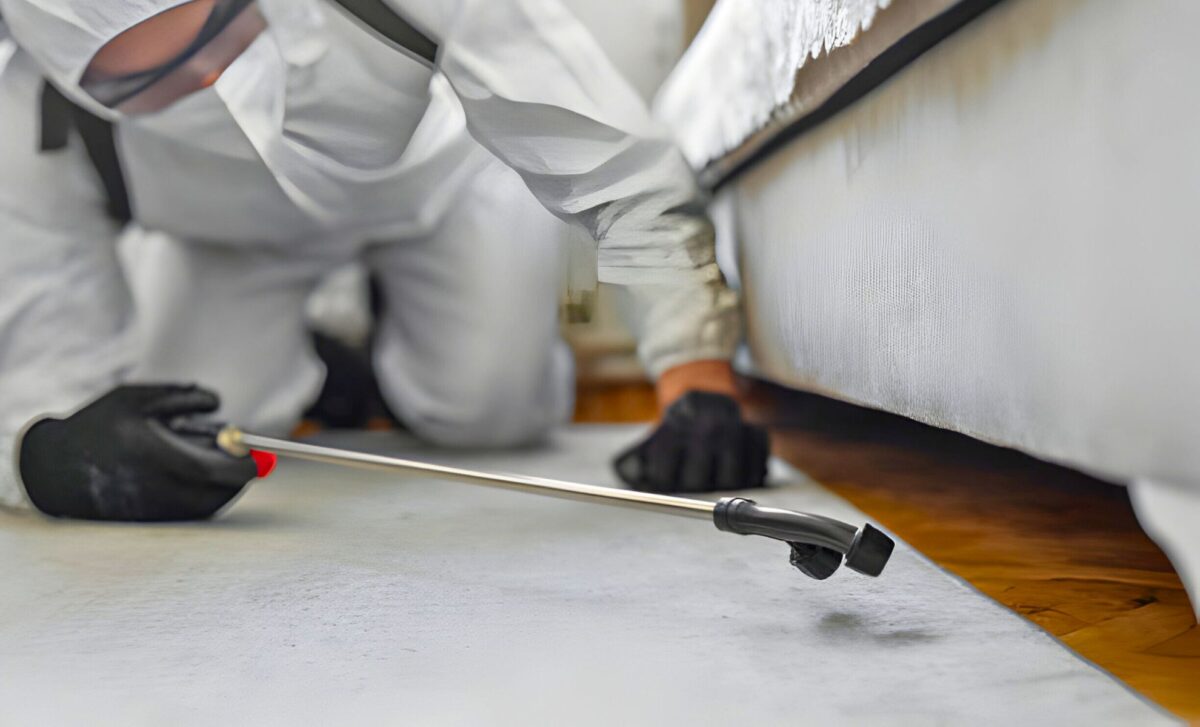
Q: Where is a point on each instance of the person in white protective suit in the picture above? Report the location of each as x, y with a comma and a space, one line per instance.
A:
263, 144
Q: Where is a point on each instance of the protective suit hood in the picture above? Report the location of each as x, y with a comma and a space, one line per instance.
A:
64, 35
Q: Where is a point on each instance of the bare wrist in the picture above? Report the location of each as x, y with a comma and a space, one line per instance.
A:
712, 375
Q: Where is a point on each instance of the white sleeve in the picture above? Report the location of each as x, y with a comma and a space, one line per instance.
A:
64, 307
541, 95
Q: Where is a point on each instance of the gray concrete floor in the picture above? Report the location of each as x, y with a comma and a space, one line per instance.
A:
330, 594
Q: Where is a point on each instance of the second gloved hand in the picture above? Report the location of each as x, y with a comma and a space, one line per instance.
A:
702, 445
132, 456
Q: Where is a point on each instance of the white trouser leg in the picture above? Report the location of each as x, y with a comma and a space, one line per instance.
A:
468, 351
1171, 515
231, 320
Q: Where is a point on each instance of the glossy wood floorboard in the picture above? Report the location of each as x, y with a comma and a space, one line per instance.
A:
1059, 547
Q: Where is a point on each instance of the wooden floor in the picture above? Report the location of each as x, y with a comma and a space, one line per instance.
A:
1060, 548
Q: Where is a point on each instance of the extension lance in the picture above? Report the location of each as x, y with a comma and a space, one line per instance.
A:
818, 544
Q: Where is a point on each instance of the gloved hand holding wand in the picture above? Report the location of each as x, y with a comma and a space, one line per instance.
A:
136, 454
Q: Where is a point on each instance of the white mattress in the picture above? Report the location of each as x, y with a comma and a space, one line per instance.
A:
1001, 240
332, 596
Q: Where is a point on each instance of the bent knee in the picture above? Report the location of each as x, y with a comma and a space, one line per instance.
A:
484, 406
497, 429
487, 412
492, 413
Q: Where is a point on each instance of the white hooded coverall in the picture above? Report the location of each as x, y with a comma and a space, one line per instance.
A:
438, 205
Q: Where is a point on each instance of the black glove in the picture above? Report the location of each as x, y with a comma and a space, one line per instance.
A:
136, 454
703, 445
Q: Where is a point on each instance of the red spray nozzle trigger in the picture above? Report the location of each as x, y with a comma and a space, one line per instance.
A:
265, 461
